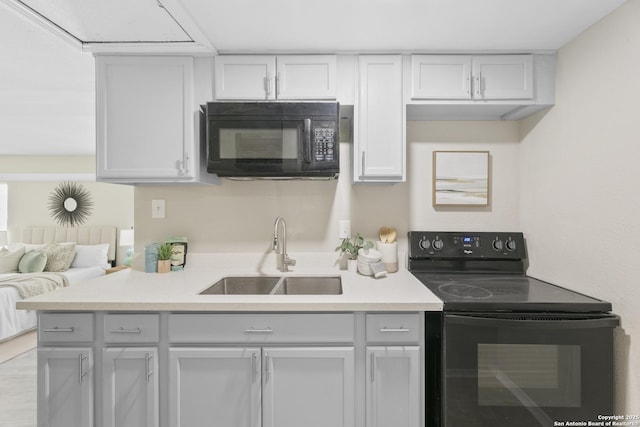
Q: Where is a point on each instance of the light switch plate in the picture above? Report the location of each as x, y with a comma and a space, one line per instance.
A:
345, 229
158, 208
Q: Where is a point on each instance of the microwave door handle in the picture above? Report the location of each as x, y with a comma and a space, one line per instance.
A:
307, 140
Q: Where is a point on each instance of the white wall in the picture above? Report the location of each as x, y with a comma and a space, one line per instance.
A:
579, 181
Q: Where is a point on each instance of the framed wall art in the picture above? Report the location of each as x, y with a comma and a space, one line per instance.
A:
460, 178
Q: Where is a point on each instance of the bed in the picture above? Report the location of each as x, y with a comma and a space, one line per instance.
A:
88, 262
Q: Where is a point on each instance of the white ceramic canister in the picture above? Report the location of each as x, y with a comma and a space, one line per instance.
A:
389, 253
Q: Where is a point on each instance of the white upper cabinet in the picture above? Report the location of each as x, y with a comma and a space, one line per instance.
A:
245, 77
306, 77
270, 77
467, 77
379, 146
146, 119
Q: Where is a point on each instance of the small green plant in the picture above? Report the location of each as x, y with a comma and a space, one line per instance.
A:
165, 251
350, 247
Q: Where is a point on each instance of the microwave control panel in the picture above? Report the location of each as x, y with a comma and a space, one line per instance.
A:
324, 144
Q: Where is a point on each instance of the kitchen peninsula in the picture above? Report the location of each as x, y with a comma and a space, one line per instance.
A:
134, 348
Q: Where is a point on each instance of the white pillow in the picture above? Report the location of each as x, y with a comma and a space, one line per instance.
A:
10, 260
91, 256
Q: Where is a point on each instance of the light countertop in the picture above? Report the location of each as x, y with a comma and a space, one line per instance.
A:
133, 290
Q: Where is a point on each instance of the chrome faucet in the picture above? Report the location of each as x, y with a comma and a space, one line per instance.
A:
283, 259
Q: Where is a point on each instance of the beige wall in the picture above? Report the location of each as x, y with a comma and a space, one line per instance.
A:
28, 200
239, 216
579, 181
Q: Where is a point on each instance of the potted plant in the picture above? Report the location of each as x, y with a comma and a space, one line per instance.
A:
165, 251
349, 248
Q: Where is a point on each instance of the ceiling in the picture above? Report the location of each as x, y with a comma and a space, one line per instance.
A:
46, 89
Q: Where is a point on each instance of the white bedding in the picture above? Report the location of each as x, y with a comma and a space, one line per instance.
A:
15, 322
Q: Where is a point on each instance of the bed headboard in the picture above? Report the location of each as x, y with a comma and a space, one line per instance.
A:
88, 235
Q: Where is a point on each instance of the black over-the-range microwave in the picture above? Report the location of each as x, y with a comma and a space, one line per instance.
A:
276, 140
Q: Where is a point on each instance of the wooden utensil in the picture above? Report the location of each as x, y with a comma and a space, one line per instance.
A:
392, 234
384, 234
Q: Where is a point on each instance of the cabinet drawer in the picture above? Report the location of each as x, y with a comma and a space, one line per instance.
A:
261, 328
65, 327
394, 328
138, 328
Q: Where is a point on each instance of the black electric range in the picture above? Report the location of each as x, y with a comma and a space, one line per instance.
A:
508, 349
486, 272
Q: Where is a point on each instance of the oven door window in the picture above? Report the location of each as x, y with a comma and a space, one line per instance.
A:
528, 375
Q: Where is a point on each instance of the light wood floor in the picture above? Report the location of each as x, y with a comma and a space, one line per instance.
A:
13, 347
18, 386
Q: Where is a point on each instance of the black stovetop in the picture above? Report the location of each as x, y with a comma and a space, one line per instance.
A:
485, 272
511, 293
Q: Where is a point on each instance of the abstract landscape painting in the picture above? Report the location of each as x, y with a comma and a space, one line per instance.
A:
460, 178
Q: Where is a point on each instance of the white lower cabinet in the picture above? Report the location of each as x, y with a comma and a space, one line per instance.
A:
130, 387
230, 369
308, 386
393, 386
65, 387
254, 387
215, 387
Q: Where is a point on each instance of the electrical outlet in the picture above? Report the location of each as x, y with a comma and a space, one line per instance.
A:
158, 208
345, 229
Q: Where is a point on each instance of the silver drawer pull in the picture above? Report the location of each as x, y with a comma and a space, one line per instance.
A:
252, 330
400, 329
126, 331
57, 329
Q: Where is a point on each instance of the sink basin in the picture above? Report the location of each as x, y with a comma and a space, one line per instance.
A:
310, 286
273, 285
242, 285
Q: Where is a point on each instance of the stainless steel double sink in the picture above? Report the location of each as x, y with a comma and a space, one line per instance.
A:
276, 285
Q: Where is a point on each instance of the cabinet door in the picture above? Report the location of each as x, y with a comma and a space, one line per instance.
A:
393, 387
313, 387
214, 387
306, 77
145, 118
503, 77
379, 148
245, 77
441, 77
65, 387
130, 389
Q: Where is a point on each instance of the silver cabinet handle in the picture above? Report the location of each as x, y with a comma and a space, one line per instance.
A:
252, 330
254, 366
469, 85
478, 85
81, 373
126, 331
267, 369
267, 88
277, 84
148, 358
373, 366
362, 172
400, 329
57, 329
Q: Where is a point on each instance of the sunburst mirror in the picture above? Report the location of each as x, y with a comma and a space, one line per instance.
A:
70, 204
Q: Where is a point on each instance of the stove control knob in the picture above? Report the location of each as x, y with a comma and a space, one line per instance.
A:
511, 245
424, 244
497, 245
437, 244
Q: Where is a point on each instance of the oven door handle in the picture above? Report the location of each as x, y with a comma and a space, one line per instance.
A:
546, 322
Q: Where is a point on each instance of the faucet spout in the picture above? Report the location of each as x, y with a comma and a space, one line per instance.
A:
280, 245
